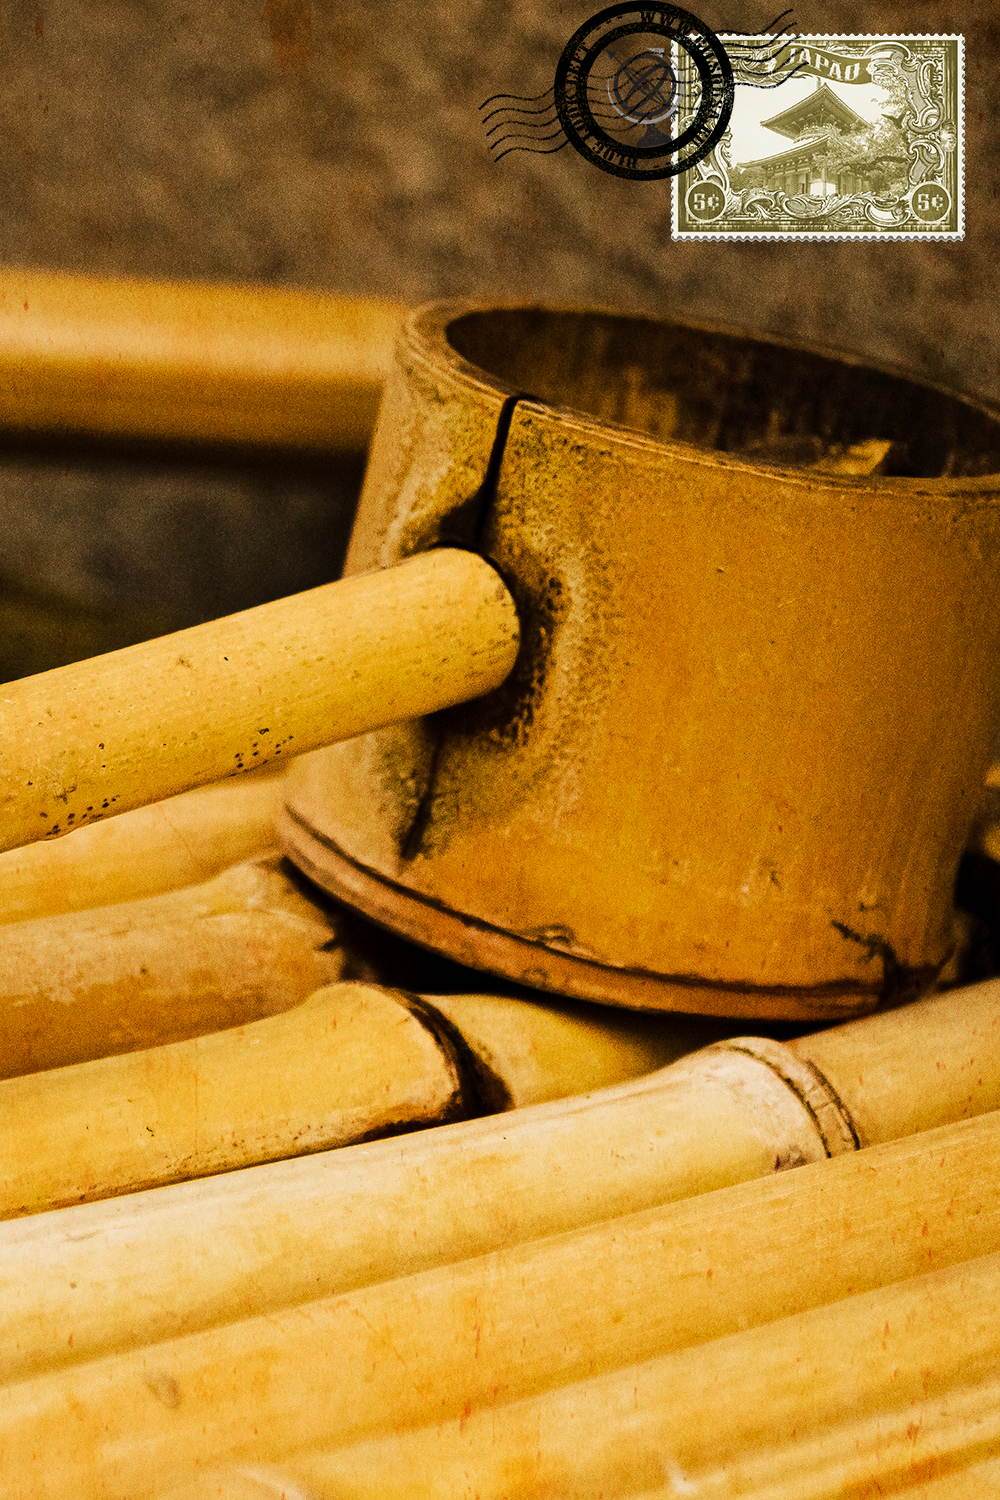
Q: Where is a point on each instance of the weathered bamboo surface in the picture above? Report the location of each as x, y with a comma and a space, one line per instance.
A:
179, 842
353, 1062
98, 737
482, 1333
876, 1394
151, 1266
115, 979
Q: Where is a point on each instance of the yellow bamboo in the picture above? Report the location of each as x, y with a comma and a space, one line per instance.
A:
116, 979
909, 1069
485, 1332
870, 1395
351, 1063
189, 361
528, 1052
164, 847
148, 1267
115, 732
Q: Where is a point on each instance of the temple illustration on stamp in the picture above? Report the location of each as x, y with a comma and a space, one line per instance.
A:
856, 137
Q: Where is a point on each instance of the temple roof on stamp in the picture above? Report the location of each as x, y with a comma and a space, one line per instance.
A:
821, 107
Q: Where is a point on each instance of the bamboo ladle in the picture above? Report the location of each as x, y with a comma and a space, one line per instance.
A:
496, 835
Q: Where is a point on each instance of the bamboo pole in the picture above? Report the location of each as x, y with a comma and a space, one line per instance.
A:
481, 1333
148, 1267
164, 847
351, 1063
190, 361
910, 1069
145, 1267
348, 1063
116, 979
868, 1395
115, 732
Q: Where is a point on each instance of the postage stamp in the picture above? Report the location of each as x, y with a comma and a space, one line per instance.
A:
849, 137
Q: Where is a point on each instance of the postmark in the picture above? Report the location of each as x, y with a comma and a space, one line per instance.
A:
618, 96
859, 138
641, 91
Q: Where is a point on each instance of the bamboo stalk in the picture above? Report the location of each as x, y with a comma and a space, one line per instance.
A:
116, 979
148, 1267
115, 732
910, 1069
351, 1063
482, 1333
191, 362
528, 1052
164, 847
865, 1396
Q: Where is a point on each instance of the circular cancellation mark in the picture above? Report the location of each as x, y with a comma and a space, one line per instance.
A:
599, 71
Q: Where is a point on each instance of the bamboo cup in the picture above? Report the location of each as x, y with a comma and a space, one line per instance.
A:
353, 1062
865, 1396
667, 804
145, 1268
480, 1333
189, 361
116, 979
164, 847
495, 833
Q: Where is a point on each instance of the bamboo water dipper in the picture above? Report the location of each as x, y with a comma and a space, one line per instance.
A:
144, 1268
479, 1333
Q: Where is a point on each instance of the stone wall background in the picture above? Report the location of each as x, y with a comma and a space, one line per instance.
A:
338, 145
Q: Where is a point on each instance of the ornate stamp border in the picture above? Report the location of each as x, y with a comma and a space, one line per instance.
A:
890, 168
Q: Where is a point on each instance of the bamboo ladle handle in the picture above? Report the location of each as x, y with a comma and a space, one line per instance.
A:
118, 731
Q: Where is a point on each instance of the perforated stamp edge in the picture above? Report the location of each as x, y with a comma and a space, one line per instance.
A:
713, 171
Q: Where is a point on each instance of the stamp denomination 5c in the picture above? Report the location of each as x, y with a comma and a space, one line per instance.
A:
856, 137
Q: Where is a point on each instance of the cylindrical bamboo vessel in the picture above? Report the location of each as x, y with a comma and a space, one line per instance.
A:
150, 1266
484, 1332
189, 361
716, 780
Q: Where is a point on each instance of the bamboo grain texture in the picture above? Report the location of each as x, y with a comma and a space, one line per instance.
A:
482, 1333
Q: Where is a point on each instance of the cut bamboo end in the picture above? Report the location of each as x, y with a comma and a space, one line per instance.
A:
352, 1063
530, 1052
196, 1254
349, 1063
116, 732
191, 362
